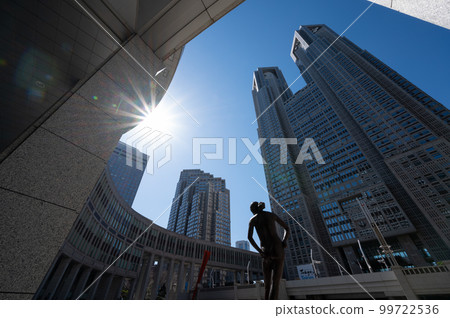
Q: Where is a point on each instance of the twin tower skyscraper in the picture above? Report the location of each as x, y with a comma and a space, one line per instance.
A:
384, 144
384, 158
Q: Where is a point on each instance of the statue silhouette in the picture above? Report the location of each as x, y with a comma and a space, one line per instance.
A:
272, 247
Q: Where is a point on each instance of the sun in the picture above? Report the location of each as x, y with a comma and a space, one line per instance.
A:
152, 118
160, 118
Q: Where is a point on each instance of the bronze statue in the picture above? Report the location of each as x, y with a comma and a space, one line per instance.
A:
272, 247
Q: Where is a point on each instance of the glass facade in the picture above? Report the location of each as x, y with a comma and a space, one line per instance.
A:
290, 199
203, 210
345, 175
387, 116
383, 141
126, 167
244, 245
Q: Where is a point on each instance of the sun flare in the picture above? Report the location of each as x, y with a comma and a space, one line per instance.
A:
159, 118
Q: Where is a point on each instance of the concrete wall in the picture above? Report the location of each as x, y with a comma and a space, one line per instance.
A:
45, 181
435, 11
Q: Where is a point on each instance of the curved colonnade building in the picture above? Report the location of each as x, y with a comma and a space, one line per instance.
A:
106, 227
79, 75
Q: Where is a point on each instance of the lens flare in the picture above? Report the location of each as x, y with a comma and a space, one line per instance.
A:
159, 118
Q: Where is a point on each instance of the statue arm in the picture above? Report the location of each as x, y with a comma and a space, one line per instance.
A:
251, 240
285, 227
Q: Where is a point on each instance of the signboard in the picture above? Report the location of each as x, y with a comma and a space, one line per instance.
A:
305, 271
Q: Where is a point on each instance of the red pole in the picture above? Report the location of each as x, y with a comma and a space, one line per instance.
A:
206, 255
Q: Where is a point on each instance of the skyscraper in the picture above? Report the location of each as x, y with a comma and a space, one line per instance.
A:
127, 173
203, 211
383, 141
285, 180
244, 245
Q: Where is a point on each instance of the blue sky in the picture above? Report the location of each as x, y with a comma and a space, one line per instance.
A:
214, 77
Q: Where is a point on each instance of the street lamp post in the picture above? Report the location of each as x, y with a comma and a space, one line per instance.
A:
365, 258
314, 262
381, 260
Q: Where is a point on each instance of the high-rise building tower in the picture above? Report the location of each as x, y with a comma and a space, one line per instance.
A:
244, 245
383, 141
288, 198
126, 167
203, 210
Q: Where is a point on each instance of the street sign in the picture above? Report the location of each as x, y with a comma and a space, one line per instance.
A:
305, 271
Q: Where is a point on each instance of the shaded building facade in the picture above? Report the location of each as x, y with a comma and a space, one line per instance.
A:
202, 210
126, 167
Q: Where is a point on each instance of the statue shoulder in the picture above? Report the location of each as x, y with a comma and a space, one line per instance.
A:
257, 218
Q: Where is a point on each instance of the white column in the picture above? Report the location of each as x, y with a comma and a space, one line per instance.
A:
81, 283
155, 286
68, 282
169, 277
56, 279
144, 279
181, 278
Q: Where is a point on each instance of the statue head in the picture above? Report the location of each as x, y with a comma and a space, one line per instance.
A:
254, 207
261, 206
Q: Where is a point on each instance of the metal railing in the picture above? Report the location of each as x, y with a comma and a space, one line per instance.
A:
425, 270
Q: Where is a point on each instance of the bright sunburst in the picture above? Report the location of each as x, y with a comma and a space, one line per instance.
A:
160, 118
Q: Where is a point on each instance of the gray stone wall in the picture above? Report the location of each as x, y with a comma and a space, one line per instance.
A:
45, 181
436, 11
